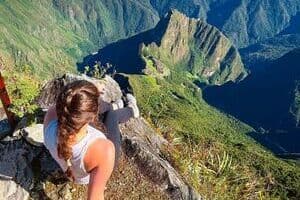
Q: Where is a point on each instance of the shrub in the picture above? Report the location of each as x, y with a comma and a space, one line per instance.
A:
22, 89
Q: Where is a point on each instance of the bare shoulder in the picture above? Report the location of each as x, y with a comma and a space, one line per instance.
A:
100, 152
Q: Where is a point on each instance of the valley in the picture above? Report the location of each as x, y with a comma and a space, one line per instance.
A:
217, 79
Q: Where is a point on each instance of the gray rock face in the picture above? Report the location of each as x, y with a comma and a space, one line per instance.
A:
11, 190
51, 89
143, 144
16, 173
34, 134
25, 167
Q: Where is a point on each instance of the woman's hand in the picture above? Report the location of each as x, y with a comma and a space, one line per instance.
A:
99, 162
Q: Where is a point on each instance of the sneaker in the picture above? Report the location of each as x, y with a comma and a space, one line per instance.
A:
117, 104
131, 102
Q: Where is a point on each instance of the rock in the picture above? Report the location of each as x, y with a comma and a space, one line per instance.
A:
11, 190
143, 144
140, 141
34, 134
204, 50
4, 128
111, 91
26, 166
16, 172
65, 192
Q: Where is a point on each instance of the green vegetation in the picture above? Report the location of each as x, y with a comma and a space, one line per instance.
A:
295, 107
34, 34
22, 89
199, 48
243, 21
52, 36
99, 70
210, 149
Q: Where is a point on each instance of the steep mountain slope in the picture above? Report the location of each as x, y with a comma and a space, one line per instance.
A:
210, 149
33, 36
269, 99
49, 37
243, 21
201, 48
260, 55
105, 21
57, 34
177, 41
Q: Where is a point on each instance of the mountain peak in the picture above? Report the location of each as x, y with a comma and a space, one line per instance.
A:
202, 47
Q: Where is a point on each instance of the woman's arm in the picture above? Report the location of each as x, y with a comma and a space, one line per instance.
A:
50, 115
99, 162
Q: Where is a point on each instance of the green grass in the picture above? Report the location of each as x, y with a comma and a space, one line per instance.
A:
52, 37
22, 89
211, 149
35, 34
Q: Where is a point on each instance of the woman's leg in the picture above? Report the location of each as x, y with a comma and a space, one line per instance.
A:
105, 106
112, 120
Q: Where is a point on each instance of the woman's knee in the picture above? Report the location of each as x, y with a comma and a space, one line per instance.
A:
110, 116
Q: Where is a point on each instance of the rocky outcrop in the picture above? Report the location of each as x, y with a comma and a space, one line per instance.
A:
142, 143
27, 169
111, 93
176, 42
244, 22
200, 47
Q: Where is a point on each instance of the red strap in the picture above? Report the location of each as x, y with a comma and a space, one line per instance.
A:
6, 101
2, 84
4, 98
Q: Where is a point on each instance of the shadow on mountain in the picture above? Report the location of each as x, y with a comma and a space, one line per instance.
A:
264, 100
294, 26
124, 55
259, 56
224, 11
282, 143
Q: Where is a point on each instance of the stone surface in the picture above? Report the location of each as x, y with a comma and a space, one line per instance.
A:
11, 190
28, 170
51, 89
143, 144
34, 134
16, 175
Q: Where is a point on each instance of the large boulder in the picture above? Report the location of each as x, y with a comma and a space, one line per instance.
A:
51, 89
27, 168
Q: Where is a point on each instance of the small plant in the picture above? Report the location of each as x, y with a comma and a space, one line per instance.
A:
99, 71
219, 165
22, 89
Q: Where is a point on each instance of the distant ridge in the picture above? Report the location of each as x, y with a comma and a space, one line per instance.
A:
202, 48
269, 99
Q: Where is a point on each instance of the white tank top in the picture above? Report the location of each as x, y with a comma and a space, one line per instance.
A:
78, 150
